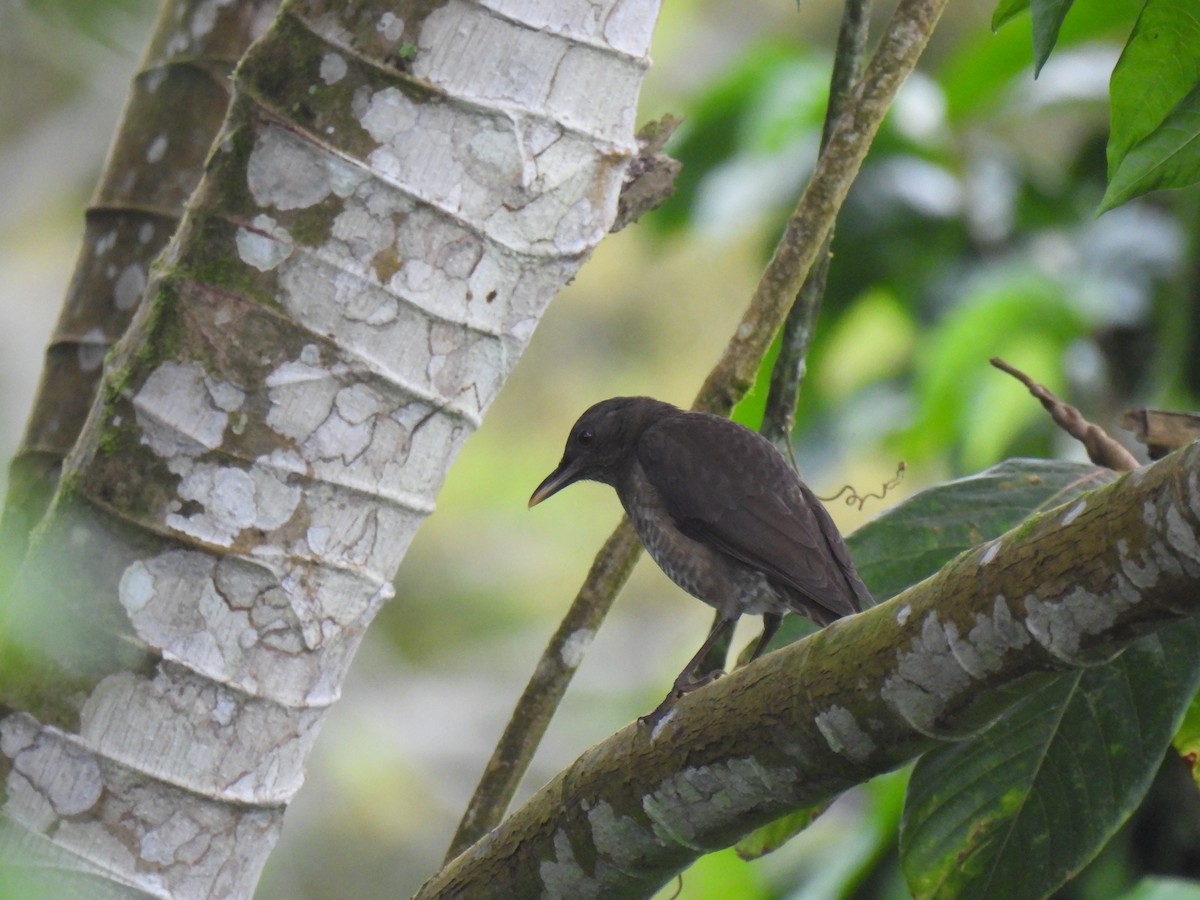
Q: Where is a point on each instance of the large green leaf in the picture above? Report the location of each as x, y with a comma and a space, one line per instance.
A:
1158, 68
1168, 157
1018, 810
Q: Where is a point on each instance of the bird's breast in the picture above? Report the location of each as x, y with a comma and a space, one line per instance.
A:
703, 571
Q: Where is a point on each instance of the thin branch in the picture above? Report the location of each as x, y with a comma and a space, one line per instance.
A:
1102, 449
779, 416
787, 375
856, 699
906, 36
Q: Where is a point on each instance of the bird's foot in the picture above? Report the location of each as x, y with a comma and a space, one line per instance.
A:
651, 719
684, 684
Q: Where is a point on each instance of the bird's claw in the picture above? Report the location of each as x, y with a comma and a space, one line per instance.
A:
683, 685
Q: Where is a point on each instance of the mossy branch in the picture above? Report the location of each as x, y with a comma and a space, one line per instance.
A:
856, 699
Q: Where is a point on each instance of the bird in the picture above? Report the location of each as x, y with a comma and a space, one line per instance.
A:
723, 514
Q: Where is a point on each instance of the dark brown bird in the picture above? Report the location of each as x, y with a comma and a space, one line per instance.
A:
720, 510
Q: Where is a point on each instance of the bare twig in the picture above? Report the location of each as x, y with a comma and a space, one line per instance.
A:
1102, 449
906, 36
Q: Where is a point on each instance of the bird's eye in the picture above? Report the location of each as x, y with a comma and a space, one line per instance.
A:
586, 437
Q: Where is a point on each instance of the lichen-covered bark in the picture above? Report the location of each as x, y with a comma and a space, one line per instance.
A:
399, 190
1067, 589
176, 106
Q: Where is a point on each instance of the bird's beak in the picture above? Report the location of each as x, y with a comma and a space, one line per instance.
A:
566, 473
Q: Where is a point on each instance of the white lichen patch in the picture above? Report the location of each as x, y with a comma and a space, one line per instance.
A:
620, 841
575, 646
283, 631
177, 412
350, 432
843, 734
157, 149
129, 286
1073, 513
287, 172
264, 246
109, 819
563, 876
57, 776
333, 68
1181, 537
200, 735
688, 804
1061, 625
462, 154
174, 840
391, 26
535, 71
93, 347
988, 639
938, 668
232, 500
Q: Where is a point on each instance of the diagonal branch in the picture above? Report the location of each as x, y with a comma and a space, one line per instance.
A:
905, 38
1066, 589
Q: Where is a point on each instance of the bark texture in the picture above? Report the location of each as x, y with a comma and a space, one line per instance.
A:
175, 108
399, 190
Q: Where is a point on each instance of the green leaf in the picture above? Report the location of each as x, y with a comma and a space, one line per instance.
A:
1007, 10
1168, 157
1018, 810
1048, 16
773, 835
1187, 738
1159, 66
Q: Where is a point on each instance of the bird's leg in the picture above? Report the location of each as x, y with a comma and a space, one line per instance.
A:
771, 622
686, 681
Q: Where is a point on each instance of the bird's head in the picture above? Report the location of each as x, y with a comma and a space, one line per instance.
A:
600, 443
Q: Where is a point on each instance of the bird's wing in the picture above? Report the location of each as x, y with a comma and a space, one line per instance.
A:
728, 487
